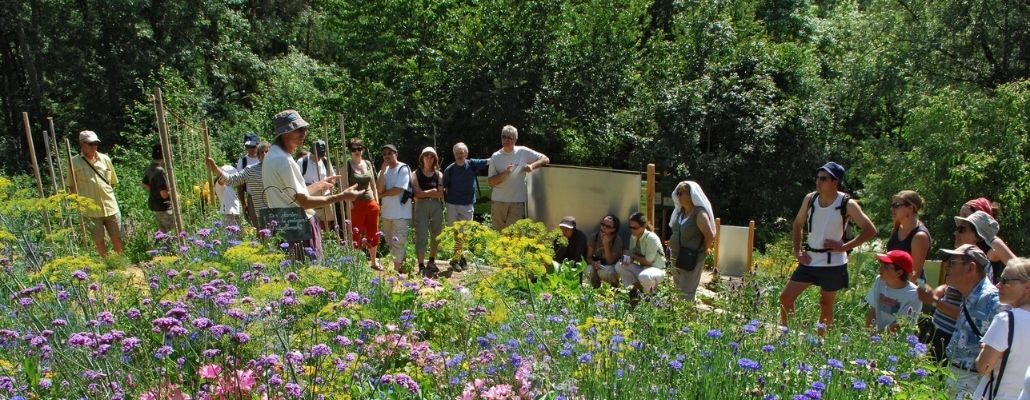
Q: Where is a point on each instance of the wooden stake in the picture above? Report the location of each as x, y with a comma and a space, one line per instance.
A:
650, 194
35, 168
207, 155
73, 185
750, 245
57, 152
329, 209
166, 148
348, 228
50, 160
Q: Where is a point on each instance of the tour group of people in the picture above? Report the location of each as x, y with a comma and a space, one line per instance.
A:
980, 321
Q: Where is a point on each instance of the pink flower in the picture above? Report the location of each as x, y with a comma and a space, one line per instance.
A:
498, 392
210, 371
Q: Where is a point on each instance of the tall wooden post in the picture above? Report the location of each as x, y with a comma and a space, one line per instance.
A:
207, 155
50, 160
650, 194
57, 152
348, 227
329, 209
166, 149
35, 168
73, 185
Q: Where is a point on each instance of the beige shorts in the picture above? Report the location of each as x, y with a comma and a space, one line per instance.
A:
111, 223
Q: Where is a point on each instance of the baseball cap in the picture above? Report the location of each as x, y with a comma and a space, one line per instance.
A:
970, 251
899, 258
986, 226
288, 121
88, 137
391, 147
318, 147
568, 222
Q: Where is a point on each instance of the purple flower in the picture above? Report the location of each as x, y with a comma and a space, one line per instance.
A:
80, 275
313, 291
835, 363
714, 333
920, 372
211, 353
585, 358
165, 324
406, 382
813, 394
676, 364
321, 349
748, 363
241, 337
768, 348
291, 276
132, 313
265, 232
858, 384
163, 352
885, 380
294, 390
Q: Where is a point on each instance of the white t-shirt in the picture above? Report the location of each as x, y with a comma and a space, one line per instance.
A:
513, 189
246, 159
1015, 377
313, 174
1025, 395
230, 204
398, 176
908, 305
281, 178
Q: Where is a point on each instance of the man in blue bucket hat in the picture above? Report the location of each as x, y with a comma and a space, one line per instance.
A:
823, 258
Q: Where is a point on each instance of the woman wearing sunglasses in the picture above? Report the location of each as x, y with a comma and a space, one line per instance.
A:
909, 233
1005, 355
643, 265
365, 211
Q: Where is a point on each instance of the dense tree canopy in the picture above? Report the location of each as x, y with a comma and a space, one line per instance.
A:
745, 96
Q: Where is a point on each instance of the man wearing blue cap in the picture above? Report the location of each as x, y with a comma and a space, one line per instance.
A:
823, 259
250, 142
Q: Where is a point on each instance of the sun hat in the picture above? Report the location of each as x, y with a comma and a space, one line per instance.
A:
288, 121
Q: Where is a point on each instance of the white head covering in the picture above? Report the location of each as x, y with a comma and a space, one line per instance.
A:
697, 196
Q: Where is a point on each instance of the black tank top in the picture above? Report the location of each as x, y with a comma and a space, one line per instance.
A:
896, 243
427, 182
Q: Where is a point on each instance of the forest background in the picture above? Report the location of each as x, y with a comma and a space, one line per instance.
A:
747, 97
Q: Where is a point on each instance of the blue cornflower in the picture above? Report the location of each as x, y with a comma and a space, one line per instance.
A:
813, 394
835, 363
768, 348
920, 372
858, 384
676, 364
748, 363
585, 358
885, 380
714, 333
818, 386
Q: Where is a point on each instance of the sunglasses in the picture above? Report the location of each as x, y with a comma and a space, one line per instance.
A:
823, 178
609, 226
635, 227
1005, 281
899, 205
510, 137
961, 229
353, 149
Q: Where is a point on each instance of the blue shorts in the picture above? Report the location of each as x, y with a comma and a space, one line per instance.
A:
830, 279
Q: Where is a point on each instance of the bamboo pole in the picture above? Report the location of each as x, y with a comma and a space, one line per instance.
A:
750, 245
329, 209
73, 185
718, 236
348, 228
166, 149
650, 194
207, 155
50, 160
35, 169
57, 151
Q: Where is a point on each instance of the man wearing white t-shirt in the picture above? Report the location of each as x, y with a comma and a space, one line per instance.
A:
395, 210
508, 169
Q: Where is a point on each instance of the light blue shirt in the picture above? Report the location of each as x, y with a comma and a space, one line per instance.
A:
981, 304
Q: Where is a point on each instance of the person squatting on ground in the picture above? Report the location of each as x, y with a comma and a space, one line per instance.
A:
823, 261
1006, 344
575, 248
155, 180
95, 179
604, 249
365, 210
643, 265
693, 235
459, 184
393, 181
249, 177
892, 297
508, 169
283, 183
427, 182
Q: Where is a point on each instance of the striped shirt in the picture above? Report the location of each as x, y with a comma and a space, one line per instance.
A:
251, 176
96, 183
943, 322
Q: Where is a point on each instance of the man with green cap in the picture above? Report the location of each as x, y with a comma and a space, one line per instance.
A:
283, 182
